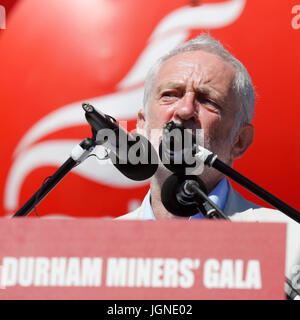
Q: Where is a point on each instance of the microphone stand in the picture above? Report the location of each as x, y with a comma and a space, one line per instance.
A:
192, 189
212, 161
79, 153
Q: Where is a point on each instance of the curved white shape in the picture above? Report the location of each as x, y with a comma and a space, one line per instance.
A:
121, 105
54, 153
153, 52
173, 30
210, 15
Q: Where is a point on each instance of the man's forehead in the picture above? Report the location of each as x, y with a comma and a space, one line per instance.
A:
204, 71
203, 65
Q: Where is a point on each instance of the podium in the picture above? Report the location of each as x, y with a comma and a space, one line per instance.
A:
159, 260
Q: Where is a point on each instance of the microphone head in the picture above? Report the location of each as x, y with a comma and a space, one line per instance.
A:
176, 200
177, 148
131, 153
96, 119
139, 160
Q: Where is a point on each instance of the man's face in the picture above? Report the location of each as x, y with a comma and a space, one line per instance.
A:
195, 89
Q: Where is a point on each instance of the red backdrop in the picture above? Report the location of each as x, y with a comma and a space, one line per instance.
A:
56, 54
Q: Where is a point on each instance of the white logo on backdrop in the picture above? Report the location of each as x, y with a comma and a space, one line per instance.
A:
2, 18
172, 30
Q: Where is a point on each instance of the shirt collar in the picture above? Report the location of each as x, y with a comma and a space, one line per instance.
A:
147, 212
218, 195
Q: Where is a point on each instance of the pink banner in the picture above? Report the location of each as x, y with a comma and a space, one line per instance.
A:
102, 259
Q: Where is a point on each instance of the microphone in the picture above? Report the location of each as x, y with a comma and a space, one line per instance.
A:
177, 200
181, 151
131, 153
186, 195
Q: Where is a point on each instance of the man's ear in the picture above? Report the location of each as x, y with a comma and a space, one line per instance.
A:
141, 122
242, 141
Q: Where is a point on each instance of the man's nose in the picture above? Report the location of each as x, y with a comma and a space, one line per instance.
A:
185, 108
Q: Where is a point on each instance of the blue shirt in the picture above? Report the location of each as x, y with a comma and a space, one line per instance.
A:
218, 195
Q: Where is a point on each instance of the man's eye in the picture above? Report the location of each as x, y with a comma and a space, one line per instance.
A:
203, 99
169, 94
209, 102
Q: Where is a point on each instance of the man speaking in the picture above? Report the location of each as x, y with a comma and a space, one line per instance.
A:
200, 85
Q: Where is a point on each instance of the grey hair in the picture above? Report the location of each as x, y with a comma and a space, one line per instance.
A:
242, 84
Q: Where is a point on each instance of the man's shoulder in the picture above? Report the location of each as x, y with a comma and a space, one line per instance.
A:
237, 204
240, 209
